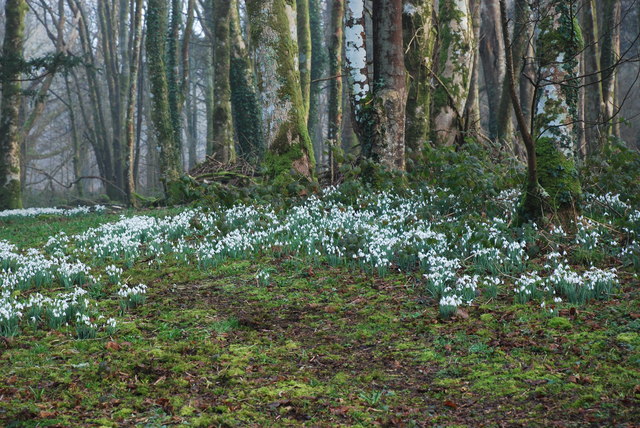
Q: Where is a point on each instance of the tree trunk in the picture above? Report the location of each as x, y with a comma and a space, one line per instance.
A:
319, 66
170, 162
419, 42
609, 64
455, 61
223, 142
520, 47
493, 60
557, 48
390, 94
336, 53
471, 124
356, 58
304, 51
12, 51
131, 104
273, 27
593, 86
244, 96
173, 74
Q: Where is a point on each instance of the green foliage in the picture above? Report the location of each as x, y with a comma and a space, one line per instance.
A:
616, 170
471, 170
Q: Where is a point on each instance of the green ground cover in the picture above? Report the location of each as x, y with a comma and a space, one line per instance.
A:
285, 339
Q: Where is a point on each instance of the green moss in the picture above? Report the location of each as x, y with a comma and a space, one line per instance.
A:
560, 323
557, 174
629, 338
487, 318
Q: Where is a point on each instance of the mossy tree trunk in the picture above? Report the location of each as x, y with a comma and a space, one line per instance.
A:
223, 138
336, 46
304, 51
419, 41
12, 51
454, 68
558, 45
390, 93
244, 96
170, 162
273, 31
173, 73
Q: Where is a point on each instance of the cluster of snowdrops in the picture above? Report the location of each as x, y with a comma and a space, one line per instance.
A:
453, 251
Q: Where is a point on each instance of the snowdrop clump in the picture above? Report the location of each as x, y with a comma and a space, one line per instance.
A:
131, 297
458, 254
34, 212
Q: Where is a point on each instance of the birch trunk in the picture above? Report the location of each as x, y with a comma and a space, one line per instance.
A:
356, 58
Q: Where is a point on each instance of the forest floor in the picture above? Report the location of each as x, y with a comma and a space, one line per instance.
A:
320, 346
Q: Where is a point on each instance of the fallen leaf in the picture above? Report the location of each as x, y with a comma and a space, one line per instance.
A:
451, 404
113, 346
462, 314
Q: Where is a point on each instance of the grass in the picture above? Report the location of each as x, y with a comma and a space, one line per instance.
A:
321, 346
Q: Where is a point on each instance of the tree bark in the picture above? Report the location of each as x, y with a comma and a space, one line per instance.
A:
131, 104
12, 52
471, 124
609, 60
290, 153
593, 98
356, 59
319, 67
390, 94
336, 46
223, 138
170, 162
244, 96
492, 54
304, 51
455, 60
419, 42
557, 48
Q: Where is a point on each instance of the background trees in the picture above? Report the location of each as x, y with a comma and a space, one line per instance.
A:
262, 81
